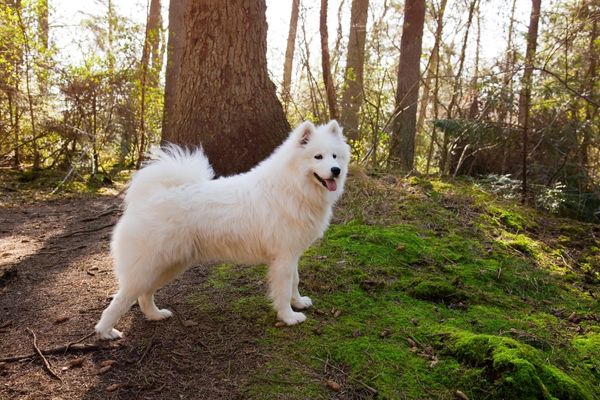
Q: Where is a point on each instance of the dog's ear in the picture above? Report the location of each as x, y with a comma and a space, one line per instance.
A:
304, 131
334, 127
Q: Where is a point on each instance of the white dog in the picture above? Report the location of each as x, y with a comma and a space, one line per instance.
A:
177, 216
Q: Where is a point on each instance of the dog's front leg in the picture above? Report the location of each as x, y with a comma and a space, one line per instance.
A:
282, 273
299, 302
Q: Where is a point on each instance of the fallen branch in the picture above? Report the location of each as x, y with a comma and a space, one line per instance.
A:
108, 211
82, 231
39, 352
64, 349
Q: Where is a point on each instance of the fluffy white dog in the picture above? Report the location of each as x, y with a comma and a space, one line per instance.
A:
177, 216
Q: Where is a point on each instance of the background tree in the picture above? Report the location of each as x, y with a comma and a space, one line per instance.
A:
525, 95
224, 98
326, 64
402, 148
289, 55
352, 96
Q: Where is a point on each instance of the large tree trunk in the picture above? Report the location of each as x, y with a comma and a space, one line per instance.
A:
224, 98
402, 147
326, 64
289, 55
353, 78
175, 48
525, 94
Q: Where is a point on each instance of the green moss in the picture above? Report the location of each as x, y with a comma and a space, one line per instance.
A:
513, 369
436, 290
387, 281
507, 218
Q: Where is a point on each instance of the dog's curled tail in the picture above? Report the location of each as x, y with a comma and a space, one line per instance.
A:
169, 166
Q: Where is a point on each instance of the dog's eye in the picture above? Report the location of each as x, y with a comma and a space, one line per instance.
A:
319, 157
334, 156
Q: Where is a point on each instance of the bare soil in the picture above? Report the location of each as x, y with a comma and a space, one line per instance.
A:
55, 280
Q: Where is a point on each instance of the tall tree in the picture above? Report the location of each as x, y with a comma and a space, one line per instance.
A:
456, 88
433, 73
525, 94
149, 72
224, 98
352, 97
289, 55
175, 49
326, 64
402, 147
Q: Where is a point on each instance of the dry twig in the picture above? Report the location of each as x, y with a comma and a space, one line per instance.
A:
39, 352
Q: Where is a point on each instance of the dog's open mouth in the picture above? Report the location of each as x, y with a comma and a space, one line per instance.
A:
330, 184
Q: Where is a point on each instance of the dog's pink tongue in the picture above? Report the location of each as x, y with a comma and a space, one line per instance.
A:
331, 185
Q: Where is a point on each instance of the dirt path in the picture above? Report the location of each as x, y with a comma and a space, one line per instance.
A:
58, 281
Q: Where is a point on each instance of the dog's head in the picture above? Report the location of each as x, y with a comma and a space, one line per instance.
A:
324, 153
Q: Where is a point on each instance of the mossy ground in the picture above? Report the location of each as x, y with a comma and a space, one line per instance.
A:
422, 288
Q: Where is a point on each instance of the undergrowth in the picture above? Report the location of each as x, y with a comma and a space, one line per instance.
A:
422, 288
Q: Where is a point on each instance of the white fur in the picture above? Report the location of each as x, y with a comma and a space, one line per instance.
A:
177, 216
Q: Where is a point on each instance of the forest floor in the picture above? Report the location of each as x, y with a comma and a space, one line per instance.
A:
422, 289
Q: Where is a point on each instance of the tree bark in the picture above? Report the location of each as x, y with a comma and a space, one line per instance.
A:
402, 147
289, 55
175, 47
326, 64
224, 98
352, 97
525, 94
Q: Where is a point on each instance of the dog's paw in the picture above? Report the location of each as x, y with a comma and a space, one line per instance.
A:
302, 303
109, 335
293, 318
160, 314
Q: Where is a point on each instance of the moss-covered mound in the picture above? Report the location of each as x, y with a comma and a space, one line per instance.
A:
514, 370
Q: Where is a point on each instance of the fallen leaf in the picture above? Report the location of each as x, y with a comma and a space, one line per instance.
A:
400, 248
114, 386
356, 333
78, 362
107, 363
280, 324
385, 333
60, 320
333, 385
414, 321
189, 322
460, 395
104, 369
337, 313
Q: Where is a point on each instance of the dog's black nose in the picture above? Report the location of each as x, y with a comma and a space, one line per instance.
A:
336, 171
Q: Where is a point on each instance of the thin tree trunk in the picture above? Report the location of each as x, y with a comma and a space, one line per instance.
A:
456, 88
225, 99
402, 147
289, 55
352, 97
325, 62
149, 42
154, 35
525, 95
175, 48
435, 68
506, 114
36, 153
591, 80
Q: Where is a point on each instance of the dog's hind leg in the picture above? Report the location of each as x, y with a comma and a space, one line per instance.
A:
281, 280
119, 305
148, 307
